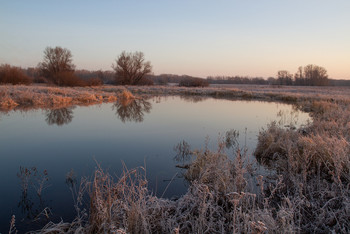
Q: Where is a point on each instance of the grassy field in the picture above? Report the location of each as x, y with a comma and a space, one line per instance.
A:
308, 191
39, 96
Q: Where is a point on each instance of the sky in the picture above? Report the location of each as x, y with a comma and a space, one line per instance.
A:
194, 37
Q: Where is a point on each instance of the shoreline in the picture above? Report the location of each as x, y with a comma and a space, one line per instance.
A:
40, 96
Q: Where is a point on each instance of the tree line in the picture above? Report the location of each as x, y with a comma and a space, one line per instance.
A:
57, 68
236, 80
310, 75
132, 69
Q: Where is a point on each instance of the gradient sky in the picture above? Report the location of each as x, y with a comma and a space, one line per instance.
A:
193, 37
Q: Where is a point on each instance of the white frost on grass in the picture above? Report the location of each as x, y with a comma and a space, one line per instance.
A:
39, 96
42, 96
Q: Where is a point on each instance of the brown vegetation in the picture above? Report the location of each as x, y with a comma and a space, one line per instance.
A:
131, 69
51, 97
57, 65
58, 68
194, 82
313, 164
67, 78
13, 75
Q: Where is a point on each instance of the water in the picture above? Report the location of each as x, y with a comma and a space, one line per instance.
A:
138, 133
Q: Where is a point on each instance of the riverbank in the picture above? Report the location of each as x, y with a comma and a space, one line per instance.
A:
41, 96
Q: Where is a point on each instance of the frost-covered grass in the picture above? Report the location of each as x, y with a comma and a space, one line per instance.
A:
39, 96
306, 192
36, 96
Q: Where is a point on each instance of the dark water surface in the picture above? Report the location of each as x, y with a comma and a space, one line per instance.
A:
47, 144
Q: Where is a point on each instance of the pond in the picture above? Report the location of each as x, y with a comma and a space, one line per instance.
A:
48, 145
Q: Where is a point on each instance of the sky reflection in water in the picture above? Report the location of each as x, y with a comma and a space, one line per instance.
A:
136, 132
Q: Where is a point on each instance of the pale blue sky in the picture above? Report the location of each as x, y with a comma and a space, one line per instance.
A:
194, 37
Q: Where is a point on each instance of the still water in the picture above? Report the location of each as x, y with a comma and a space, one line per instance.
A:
48, 144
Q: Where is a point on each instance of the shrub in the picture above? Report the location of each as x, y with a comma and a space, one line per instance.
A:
67, 78
94, 82
145, 81
40, 80
194, 82
13, 75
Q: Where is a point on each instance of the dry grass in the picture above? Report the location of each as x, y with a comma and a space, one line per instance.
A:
218, 200
39, 96
307, 191
314, 165
126, 95
48, 97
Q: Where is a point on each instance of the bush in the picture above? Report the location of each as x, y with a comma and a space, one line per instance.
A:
145, 81
94, 82
67, 78
40, 80
13, 75
194, 82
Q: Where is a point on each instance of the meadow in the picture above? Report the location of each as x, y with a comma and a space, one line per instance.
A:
308, 190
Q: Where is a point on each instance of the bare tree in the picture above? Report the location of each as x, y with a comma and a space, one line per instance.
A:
131, 68
284, 78
316, 75
57, 61
299, 77
13, 75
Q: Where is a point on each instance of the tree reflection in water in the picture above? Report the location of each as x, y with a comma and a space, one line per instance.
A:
132, 110
59, 116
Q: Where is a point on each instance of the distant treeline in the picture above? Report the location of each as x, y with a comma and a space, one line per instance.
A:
268, 81
239, 80
164, 79
130, 68
108, 77
333, 82
310, 75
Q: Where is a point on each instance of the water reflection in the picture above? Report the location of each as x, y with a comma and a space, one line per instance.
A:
288, 118
3, 113
193, 99
132, 110
59, 116
32, 209
33, 182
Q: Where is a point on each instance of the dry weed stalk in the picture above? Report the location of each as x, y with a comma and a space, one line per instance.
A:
13, 225
314, 163
121, 204
126, 95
